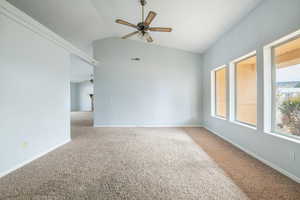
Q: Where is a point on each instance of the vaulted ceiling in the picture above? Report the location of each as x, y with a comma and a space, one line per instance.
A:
196, 24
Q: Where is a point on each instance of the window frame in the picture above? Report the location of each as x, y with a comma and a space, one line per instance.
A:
232, 88
213, 92
269, 86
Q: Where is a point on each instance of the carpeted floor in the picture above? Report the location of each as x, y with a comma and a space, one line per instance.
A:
254, 178
142, 164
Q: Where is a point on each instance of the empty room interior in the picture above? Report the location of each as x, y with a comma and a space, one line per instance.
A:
150, 99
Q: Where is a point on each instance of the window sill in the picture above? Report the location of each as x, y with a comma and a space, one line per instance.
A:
244, 125
281, 136
217, 117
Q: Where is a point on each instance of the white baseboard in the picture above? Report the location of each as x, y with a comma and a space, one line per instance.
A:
148, 126
2, 174
270, 164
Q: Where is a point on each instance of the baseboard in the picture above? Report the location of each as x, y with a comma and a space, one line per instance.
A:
270, 164
32, 159
148, 126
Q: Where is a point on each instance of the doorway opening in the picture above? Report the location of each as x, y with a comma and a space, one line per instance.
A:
81, 93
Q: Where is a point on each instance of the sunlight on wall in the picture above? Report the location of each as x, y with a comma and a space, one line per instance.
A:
246, 91
221, 92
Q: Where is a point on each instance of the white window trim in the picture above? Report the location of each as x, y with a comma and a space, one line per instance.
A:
232, 92
268, 100
213, 92
244, 124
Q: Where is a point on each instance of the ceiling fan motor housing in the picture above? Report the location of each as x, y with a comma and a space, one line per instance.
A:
142, 26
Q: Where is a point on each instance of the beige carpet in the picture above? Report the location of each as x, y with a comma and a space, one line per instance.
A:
124, 163
256, 180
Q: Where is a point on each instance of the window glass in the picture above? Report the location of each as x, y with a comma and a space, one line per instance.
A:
286, 108
246, 91
220, 78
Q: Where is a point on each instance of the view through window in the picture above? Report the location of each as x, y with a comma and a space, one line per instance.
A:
220, 89
286, 109
246, 103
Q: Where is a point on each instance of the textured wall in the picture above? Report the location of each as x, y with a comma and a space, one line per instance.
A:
164, 88
272, 20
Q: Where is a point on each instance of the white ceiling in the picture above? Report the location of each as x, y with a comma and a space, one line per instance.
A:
196, 24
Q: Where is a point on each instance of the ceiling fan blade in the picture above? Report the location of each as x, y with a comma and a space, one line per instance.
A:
130, 34
160, 29
120, 21
149, 39
150, 18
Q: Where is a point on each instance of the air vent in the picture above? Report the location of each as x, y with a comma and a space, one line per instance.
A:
135, 59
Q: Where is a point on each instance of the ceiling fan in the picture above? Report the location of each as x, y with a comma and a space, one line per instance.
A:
143, 28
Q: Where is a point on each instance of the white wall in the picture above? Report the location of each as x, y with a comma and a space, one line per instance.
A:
80, 70
85, 89
74, 97
270, 21
164, 88
80, 96
35, 97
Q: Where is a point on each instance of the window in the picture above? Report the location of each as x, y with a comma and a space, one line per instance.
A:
219, 90
243, 90
282, 86
286, 88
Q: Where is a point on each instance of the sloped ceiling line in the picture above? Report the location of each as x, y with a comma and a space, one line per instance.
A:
197, 24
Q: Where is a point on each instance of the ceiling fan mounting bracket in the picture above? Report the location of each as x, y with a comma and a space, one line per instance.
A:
143, 2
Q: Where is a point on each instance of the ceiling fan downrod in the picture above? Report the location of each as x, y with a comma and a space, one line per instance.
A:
143, 3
